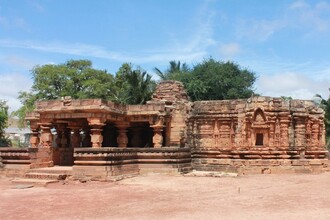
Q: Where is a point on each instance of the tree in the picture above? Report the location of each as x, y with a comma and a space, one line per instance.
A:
215, 80
133, 86
325, 104
75, 78
171, 73
4, 142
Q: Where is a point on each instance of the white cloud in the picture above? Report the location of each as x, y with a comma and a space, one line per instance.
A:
190, 48
230, 50
309, 18
12, 83
17, 61
296, 85
260, 29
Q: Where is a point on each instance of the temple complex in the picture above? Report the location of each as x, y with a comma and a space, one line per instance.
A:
100, 139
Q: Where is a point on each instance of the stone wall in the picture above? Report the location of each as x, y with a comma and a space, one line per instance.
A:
178, 106
260, 131
107, 163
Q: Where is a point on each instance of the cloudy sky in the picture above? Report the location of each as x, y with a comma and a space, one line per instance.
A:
286, 43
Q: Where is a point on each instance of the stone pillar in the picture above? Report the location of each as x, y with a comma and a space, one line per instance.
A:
300, 132
96, 125
46, 135
59, 130
158, 136
284, 132
34, 139
122, 139
65, 140
87, 138
96, 137
75, 138
315, 134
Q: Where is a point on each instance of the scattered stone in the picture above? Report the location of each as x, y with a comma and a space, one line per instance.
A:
21, 186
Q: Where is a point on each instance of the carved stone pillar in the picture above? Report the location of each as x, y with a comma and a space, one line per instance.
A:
75, 138
34, 139
87, 138
284, 132
96, 137
315, 134
96, 125
46, 135
158, 136
65, 140
158, 129
122, 139
59, 130
300, 132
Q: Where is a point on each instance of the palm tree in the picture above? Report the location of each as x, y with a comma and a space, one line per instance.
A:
174, 68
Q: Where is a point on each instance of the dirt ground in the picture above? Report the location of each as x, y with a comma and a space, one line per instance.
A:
297, 196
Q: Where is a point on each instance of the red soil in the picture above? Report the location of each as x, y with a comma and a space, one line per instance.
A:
297, 196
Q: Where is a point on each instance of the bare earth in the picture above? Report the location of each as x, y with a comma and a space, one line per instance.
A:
297, 196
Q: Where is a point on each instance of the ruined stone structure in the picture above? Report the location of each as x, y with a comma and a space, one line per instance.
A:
260, 134
101, 139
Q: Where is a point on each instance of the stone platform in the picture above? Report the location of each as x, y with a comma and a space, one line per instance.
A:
105, 163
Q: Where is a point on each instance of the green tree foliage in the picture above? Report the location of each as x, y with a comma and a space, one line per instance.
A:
133, 86
325, 104
212, 80
4, 142
77, 78
220, 80
173, 72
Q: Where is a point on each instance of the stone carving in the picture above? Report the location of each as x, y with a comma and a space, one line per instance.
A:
233, 133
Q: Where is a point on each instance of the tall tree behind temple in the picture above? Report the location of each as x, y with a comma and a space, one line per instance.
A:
133, 86
75, 78
325, 104
212, 80
173, 72
3, 123
78, 79
218, 80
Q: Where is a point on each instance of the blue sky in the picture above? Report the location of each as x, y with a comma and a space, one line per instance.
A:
286, 43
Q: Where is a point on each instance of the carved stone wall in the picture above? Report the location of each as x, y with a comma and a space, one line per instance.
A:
231, 134
259, 134
177, 105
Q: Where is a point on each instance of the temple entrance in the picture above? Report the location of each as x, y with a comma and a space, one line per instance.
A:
140, 135
63, 156
259, 139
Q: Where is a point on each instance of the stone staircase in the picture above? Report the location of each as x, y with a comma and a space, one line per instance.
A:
44, 176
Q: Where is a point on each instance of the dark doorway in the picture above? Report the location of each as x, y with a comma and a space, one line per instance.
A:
259, 139
110, 134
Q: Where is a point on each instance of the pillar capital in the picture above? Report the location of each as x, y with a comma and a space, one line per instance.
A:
96, 122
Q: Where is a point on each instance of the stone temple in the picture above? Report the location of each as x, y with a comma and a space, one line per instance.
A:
170, 134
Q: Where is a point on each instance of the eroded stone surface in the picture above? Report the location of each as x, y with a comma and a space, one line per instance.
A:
255, 135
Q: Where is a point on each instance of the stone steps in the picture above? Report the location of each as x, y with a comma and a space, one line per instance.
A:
34, 182
44, 176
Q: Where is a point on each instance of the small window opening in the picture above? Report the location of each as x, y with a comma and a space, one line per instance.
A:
259, 139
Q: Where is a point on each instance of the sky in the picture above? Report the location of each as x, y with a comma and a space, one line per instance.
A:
285, 43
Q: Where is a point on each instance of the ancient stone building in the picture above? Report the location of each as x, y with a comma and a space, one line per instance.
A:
259, 134
101, 139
